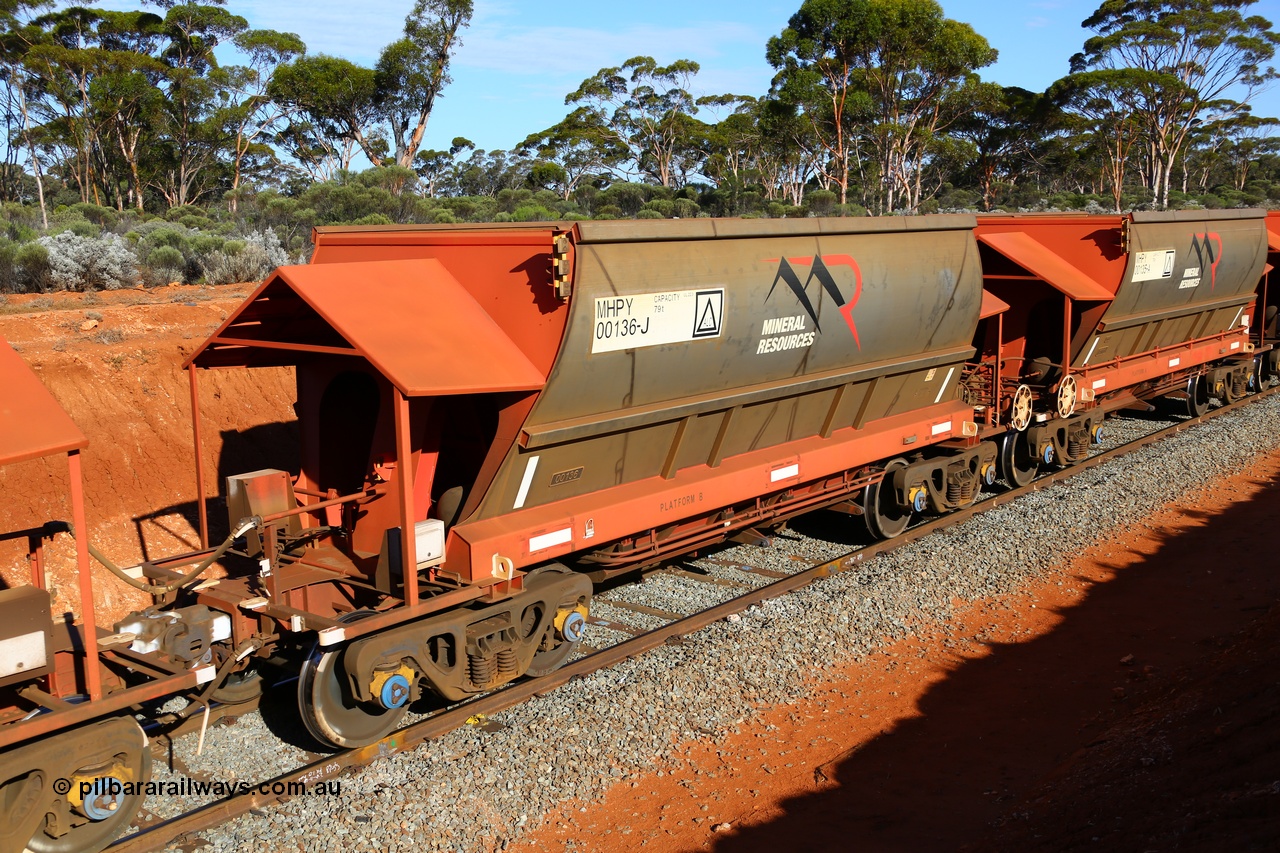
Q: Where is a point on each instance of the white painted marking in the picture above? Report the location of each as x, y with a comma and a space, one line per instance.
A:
331, 636
1099, 383
945, 381
526, 481
550, 540
23, 653
786, 472
1244, 321
1239, 311
652, 319
1157, 263
939, 429
1174, 362
1235, 345
1089, 354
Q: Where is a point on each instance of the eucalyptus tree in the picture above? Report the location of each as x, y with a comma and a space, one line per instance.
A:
1109, 127
578, 148
1175, 64
20, 84
412, 71
193, 135
249, 114
383, 110
331, 102
1003, 124
649, 109
892, 72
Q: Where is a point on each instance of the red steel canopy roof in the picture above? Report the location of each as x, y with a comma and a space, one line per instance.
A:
32, 424
413, 321
1029, 253
992, 305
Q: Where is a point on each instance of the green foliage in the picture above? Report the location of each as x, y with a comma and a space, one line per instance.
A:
166, 257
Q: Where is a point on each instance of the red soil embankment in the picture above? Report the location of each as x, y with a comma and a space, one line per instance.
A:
114, 362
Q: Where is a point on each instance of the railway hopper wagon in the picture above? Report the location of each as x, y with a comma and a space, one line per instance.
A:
493, 417
1090, 314
71, 751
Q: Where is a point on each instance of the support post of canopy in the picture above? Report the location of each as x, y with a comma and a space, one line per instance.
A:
92, 676
195, 428
404, 473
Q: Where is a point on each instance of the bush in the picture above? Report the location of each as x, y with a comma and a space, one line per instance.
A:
250, 260
8, 269
821, 202
88, 263
33, 271
167, 264
533, 213
686, 209
648, 213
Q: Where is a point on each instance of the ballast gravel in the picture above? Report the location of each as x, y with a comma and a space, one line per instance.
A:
482, 786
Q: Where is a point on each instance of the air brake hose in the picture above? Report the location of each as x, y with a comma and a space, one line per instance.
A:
245, 525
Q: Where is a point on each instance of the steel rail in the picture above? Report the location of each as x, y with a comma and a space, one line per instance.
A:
204, 817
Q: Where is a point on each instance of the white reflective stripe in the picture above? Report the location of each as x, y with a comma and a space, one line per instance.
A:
550, 540
1091, 349
939, 429
784, 473
1174, 362
1099, 383
1239, 311
946, 379
1235, 345
526, 481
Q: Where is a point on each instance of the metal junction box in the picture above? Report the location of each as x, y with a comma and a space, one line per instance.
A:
261, 493
26, 634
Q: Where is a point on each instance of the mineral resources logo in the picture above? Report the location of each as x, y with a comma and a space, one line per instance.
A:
785, 333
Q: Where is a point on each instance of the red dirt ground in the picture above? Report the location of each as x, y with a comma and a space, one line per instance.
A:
1128, 703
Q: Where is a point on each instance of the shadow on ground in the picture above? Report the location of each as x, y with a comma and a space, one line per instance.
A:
1000, 727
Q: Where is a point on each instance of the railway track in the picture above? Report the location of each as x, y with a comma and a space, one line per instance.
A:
733, 585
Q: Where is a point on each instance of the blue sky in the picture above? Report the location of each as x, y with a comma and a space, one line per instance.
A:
520, 58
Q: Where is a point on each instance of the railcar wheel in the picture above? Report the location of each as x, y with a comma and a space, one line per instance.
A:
1197, 396
880, 510
1016, 465
76, 823
331, 714
1020, 408
1261, 378
563, 634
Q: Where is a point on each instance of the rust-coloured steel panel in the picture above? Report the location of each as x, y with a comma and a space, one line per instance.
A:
410, 319
32, 424
1023, 249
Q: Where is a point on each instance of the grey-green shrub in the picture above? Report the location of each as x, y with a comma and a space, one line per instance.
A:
90, 263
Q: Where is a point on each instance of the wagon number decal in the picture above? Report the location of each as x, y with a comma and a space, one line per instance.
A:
652, 319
